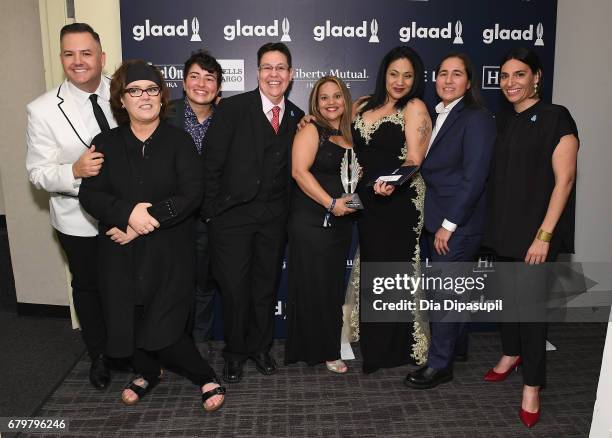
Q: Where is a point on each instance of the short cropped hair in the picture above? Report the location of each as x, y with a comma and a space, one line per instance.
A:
274, 47
207, 62
80, 28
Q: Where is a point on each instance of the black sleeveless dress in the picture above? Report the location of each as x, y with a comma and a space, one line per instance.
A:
317, 264
389, 231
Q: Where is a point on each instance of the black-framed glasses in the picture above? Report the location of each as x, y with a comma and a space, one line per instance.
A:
137, 92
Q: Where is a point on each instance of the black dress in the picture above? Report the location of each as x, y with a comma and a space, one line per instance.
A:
317, 264
389, 231
522, 181
155, 271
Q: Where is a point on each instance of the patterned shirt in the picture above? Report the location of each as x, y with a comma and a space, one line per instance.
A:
196, 129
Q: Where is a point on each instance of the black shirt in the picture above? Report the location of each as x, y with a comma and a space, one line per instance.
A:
522, 180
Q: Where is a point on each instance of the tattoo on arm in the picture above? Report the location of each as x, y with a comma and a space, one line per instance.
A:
424, 129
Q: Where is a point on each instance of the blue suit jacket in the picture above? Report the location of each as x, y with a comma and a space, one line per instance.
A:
456, 168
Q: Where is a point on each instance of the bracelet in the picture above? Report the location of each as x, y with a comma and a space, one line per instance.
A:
326, 219
544, 236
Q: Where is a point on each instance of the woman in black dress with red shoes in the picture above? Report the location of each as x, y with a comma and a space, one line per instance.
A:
320, 225
531, 212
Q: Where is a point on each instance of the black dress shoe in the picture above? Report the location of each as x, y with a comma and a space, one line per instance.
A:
232, 371
265, 364
461, 357
426, 378
99, 375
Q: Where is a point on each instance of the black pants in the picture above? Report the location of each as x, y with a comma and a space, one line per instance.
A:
182, 357
248, 245
82, 253
527, 338
205, 287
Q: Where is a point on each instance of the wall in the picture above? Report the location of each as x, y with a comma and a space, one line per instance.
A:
39, 270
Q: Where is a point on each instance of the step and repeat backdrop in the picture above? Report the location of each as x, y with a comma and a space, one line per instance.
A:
339, 37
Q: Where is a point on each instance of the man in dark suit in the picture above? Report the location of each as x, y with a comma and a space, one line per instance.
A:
455, 170
194, 112
247, 154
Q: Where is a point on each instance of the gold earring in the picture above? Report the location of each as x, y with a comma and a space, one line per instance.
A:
535, 88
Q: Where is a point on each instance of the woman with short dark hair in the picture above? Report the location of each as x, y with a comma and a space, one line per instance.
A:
144, 198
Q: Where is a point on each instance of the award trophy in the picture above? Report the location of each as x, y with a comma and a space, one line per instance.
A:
350, 172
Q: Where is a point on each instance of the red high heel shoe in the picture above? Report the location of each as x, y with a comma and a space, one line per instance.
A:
529, 419
493, 376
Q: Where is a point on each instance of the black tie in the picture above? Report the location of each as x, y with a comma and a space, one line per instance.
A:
99, 114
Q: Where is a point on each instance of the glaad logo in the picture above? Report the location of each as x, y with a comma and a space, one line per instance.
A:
140, 31
413, 31
232, 31
497, 33
327, 31
285, 26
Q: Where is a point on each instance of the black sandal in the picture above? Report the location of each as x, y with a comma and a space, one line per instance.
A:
219, 390
140, 391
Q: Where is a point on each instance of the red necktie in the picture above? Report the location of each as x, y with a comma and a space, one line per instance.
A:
275, 121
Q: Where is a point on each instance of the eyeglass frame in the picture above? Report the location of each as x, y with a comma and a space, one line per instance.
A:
145, 90
280, 68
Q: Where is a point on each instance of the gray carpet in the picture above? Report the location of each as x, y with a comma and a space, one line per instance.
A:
310, 401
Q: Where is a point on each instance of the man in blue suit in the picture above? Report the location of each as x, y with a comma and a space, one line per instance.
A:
455, 171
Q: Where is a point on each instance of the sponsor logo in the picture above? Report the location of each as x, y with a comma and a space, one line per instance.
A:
172, 74
414, 31
497, 33
333, 31
238, 29
490, 77
142, 31
233, 74
348, 76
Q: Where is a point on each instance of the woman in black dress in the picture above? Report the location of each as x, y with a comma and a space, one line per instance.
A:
391, 129
319, 229
532, 204
144, 198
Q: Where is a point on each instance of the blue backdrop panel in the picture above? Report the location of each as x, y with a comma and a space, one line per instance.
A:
342, 37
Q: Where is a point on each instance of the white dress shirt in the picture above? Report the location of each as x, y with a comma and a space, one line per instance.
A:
267, 106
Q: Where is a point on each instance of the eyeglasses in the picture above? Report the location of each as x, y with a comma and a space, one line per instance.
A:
280, 68
137, 92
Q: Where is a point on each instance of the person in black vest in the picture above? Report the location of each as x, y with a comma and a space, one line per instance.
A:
247, 177
202, 77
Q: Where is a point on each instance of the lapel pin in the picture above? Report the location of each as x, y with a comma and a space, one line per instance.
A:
534, 118
292, 115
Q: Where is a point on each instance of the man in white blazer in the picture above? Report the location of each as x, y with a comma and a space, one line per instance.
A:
61, 125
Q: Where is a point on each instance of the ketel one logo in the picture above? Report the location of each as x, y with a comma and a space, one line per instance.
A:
497, 33
328, 30
238, 29
417, 32
141, 31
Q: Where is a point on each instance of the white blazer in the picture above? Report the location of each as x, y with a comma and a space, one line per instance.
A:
56, 137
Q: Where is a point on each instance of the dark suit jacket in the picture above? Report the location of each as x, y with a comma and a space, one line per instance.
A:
176, 116
456, 168
234, 148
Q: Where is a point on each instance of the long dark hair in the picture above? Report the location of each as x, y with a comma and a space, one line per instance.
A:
472, 97
379, 97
